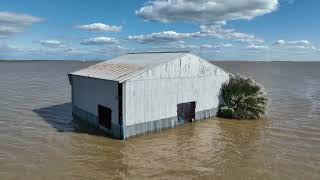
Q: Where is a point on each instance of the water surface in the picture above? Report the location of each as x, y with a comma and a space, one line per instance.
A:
38, 139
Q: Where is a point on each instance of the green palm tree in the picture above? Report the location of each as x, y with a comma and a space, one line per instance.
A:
243, 99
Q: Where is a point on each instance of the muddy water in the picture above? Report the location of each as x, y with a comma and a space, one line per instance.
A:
38, 139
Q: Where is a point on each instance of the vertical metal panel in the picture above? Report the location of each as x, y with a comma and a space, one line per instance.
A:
154, 95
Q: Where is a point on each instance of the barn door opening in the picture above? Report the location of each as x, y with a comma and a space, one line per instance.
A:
104, 114
186, 112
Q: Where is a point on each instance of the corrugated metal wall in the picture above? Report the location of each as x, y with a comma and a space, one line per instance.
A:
89, 92
154, 94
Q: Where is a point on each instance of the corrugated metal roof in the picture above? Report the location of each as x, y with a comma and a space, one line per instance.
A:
123, 67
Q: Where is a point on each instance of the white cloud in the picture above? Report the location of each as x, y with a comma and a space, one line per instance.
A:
217, 46
99, 41
99, 27
6, 31
52, 43
101, 53
161, 37
8, 48
214, 31
218, 31
257, 47
303, 42
11, 23
281, 42
195, 47
18, 19
206, 46
223, 45
183, 46
66, 53
295, 45
205, 11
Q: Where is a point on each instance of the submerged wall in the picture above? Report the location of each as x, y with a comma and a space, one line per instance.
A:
88, 93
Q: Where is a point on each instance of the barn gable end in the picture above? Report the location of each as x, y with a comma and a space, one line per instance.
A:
185, 66
154, 95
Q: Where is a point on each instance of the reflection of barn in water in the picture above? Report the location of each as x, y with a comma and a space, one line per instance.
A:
143, 92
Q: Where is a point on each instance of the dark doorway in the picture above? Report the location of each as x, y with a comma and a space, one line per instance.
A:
104, 116
186, 112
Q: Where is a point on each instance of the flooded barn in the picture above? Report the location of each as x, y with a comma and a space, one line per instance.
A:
139, 93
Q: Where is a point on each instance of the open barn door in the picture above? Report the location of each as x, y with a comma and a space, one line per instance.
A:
186, 112
104, 116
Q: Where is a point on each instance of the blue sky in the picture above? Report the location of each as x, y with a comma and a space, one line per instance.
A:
213, 29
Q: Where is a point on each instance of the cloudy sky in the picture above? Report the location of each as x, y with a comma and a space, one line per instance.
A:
213, 29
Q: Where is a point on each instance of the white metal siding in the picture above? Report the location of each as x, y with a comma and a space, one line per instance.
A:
154, 94
89, 92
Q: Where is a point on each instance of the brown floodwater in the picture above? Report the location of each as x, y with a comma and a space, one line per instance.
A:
39, 140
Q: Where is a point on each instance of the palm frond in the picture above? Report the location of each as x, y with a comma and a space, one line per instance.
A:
243, 99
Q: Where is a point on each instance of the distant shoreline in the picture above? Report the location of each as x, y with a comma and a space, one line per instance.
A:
50, 61
104, 60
